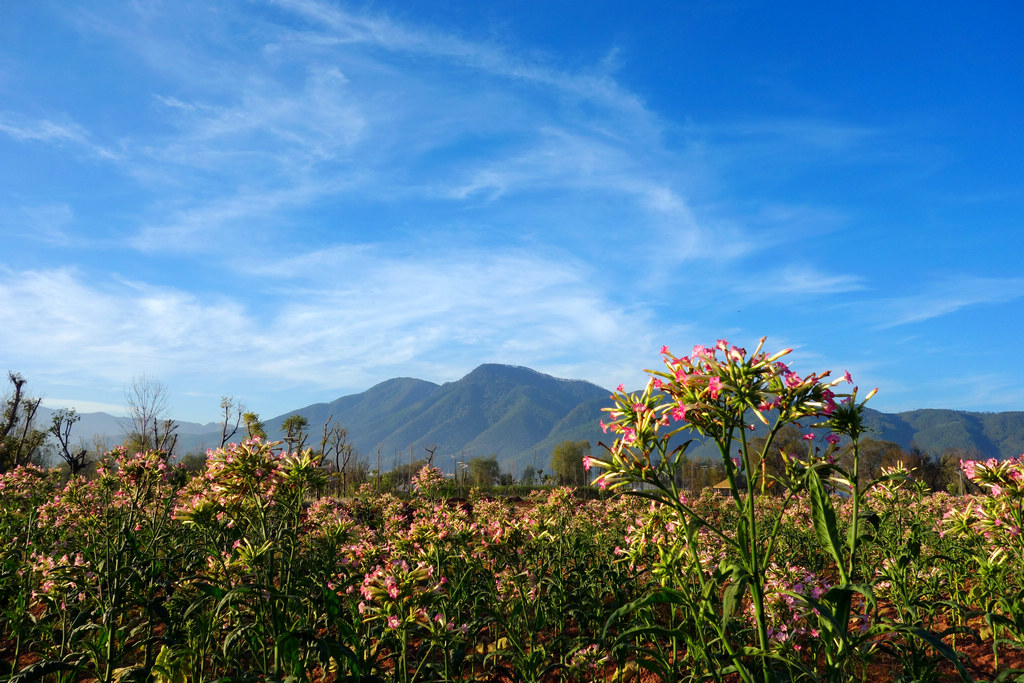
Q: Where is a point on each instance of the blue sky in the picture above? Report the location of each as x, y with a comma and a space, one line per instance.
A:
290, 201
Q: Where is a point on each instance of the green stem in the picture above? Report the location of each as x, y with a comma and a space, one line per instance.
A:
753, 562
855, 522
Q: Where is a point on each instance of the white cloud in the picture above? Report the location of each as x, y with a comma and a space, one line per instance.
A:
86, 406
944, 297
395, 315
53, 132
799, 281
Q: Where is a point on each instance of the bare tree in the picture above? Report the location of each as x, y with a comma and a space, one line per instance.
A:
63, 422
20, 441
233, 412
149, 428
334, 444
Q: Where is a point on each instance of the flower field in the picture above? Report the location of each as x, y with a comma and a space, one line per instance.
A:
246, 572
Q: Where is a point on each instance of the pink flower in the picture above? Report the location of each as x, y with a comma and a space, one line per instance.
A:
586, 463
846, 376
657, 383
714, 386
808, 437
621, 389
664, 351
393, 622
679, 413
968, 466
832, 439
721, 345
602, 484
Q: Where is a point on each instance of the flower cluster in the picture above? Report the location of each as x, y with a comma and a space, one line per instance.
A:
711, 392
429, 481
247, 477
400, 594
998, 517
792, 618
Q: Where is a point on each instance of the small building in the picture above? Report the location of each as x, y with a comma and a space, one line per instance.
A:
722, 488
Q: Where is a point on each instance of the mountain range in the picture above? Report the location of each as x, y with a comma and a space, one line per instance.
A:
519, 415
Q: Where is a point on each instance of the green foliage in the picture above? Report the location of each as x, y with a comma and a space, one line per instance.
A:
567, 462
296, 431
484, 472
254, 427
194, 462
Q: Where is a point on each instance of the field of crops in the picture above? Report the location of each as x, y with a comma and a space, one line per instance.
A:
246, 571
242, 573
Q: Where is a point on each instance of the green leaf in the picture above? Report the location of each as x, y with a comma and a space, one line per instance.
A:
823, 515
935, 642
235, 635
733, 595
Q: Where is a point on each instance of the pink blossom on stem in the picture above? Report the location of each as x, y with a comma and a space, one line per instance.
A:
968, 467
714, 386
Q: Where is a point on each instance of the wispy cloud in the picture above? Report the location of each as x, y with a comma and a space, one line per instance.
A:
47, 224
799, 281
944, 297
46, 131
328, 106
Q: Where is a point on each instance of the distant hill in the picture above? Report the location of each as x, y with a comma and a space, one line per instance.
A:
515, 413
997, 435
520, 415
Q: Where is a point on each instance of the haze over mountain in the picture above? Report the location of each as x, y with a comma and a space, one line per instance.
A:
519, 415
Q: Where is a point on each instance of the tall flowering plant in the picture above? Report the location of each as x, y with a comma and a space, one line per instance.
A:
718, 392
996, 519
246, 513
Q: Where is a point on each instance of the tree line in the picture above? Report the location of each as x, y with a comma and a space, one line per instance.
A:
149, 427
